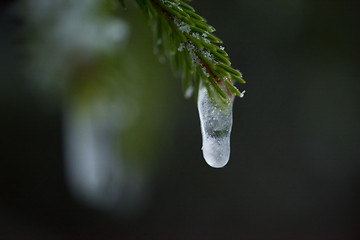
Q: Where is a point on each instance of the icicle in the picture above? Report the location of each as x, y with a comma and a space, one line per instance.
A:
216, 126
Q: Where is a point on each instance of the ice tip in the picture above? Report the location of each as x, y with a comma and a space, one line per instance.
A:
216, 152
217, 164
214, 162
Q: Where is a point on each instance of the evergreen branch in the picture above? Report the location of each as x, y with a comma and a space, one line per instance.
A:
186, 40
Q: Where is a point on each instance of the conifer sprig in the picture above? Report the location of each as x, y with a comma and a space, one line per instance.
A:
186, 40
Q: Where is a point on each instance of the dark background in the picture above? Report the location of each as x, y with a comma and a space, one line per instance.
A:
294, 167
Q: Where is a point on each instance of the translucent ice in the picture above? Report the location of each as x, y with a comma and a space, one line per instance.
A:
216, 123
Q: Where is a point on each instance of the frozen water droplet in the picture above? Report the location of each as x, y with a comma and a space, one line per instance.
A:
189, 91
181, 47
216, 123
242, 94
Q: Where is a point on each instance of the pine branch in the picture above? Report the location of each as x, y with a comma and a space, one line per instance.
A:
186, 40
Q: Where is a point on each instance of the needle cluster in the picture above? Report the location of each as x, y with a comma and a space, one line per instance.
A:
186, 40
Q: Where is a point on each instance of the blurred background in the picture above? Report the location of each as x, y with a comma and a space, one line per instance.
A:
98, 142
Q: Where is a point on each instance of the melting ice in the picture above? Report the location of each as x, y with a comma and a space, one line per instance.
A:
216, 126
